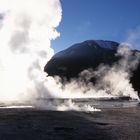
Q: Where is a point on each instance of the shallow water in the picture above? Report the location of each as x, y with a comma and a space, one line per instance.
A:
100, 103
119, 119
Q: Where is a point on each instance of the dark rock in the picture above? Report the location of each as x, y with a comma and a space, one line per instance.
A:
89, 54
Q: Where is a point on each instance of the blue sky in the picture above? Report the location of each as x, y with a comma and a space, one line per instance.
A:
97, 19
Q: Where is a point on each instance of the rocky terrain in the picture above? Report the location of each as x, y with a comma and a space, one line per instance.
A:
33, 124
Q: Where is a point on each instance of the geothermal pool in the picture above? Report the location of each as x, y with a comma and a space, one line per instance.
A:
118, 120
98, 103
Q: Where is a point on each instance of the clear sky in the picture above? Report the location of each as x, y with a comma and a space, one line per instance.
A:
97, 19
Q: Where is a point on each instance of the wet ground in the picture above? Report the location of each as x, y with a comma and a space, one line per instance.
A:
120, 123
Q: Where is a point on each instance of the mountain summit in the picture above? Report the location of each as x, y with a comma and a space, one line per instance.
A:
80, 56
88, 54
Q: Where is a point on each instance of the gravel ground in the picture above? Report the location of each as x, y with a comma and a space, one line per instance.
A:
33, 124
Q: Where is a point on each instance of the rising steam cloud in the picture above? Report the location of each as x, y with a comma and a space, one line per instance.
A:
111, 81
26, 30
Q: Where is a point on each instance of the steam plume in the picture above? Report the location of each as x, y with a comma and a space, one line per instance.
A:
26, 30
111, 81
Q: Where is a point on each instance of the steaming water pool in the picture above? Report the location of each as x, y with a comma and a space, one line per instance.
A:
112, 103
99, 103
121, 116
103, 103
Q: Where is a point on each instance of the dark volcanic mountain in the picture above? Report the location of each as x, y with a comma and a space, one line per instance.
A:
89, 54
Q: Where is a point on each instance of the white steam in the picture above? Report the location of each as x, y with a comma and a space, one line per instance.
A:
27, 28
133, 38
111, 81
63, 105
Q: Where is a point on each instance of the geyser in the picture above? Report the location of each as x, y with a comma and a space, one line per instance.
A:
26, 30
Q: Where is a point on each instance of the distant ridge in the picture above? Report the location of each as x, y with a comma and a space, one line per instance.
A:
88, 54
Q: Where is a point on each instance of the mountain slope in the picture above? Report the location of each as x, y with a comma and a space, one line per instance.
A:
88, 54
81, 56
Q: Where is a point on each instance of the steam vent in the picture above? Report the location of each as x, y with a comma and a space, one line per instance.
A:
90, 54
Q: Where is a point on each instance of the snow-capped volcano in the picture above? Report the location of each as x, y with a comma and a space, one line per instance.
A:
90, 54
87, 47
80, 56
